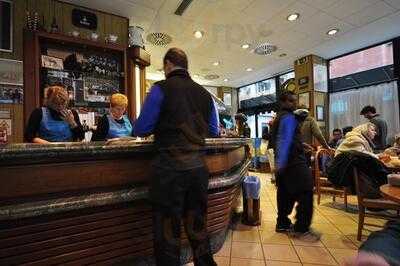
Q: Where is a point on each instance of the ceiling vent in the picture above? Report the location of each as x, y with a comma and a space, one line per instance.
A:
211, 77
265, 49
159, 38
182, 7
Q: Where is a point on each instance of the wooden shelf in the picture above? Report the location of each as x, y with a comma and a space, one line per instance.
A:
78, 41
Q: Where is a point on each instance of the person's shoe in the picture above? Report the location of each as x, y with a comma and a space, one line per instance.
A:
283, 228
309, 236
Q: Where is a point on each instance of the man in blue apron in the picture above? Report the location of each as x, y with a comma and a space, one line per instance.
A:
181, 114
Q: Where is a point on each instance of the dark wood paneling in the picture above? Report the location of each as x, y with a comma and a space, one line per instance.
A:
73, 176
48, 9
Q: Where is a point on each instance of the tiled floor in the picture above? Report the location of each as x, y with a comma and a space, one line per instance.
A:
256, 246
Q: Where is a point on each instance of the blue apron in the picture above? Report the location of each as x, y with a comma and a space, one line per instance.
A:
54, 130
117, 130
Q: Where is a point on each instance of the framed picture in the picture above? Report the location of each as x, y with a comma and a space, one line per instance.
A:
52, 62
11, 72
320, 113
6, 23
304, 100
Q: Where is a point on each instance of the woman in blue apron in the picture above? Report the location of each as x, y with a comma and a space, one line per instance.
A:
54, 122
115, 124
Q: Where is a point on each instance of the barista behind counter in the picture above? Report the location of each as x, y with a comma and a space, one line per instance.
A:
54, 122
115, 124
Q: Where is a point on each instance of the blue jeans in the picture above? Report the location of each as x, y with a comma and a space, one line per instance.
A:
385, 243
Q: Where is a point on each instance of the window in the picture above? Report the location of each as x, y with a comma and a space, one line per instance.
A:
375, 57
256, 90
285, 77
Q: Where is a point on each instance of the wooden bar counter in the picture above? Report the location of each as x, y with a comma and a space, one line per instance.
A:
81, 204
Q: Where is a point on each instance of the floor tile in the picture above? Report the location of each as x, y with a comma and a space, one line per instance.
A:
222, 261
272, 237
298, 242
337, 241
247, 250
315, 255
282, 263
246, 262
267, 226
326, 228
225, 251
246, 236
243, 227
341, 255
347, 229
280, 253
340, 219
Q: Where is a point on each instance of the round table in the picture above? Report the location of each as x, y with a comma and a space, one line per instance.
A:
390, 192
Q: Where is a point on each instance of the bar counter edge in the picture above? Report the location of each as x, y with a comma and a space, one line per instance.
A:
87, 203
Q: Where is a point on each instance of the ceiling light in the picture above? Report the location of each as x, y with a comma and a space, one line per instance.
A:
245, 46
293, 17
226, 80
216, 63
282, 55
249, 69
198, 34
332, 31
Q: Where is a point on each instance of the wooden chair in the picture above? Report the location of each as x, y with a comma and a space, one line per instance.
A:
322, 184
364, 203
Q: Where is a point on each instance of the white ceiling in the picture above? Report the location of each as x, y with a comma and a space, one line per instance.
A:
229, 23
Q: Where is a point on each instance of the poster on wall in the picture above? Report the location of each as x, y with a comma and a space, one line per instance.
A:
11, 94
320, 78
304, 100
5, 122
11, 72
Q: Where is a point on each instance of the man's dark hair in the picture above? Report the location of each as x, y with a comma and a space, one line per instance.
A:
368, 109
347, 130
337, 130
177, 57
285, 95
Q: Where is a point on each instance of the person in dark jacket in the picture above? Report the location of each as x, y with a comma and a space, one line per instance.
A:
181, 114
116, 124
380, 139
293, 176
54, 122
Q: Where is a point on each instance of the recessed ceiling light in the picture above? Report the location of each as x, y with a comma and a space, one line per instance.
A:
198, 34
332, 31
282, 55
216, 63
293, 17
249, 69
226, 80
245, 46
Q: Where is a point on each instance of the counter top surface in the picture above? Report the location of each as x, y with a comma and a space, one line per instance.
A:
19, 153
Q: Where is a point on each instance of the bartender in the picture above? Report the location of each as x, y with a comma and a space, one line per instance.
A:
54, 122
115, 124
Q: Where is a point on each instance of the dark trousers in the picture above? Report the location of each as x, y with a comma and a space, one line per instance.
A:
287, 196
385, 243
176, 195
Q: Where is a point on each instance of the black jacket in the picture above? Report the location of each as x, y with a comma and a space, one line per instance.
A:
184, 119
340, 171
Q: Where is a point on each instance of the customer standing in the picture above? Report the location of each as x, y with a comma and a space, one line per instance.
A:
369, 112
181, 114
293, 178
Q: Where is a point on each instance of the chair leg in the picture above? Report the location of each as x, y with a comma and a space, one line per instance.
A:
361, 216
334, 198
345, 199
319, 197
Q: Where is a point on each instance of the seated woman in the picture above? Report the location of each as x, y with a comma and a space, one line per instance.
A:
115, 124
356, 151
54, 122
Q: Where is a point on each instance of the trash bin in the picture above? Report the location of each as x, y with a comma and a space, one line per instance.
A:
251, 201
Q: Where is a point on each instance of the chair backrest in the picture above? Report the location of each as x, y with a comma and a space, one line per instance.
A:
321, 158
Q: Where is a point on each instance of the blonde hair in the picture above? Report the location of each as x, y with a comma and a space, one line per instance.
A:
56, 96
118, 99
